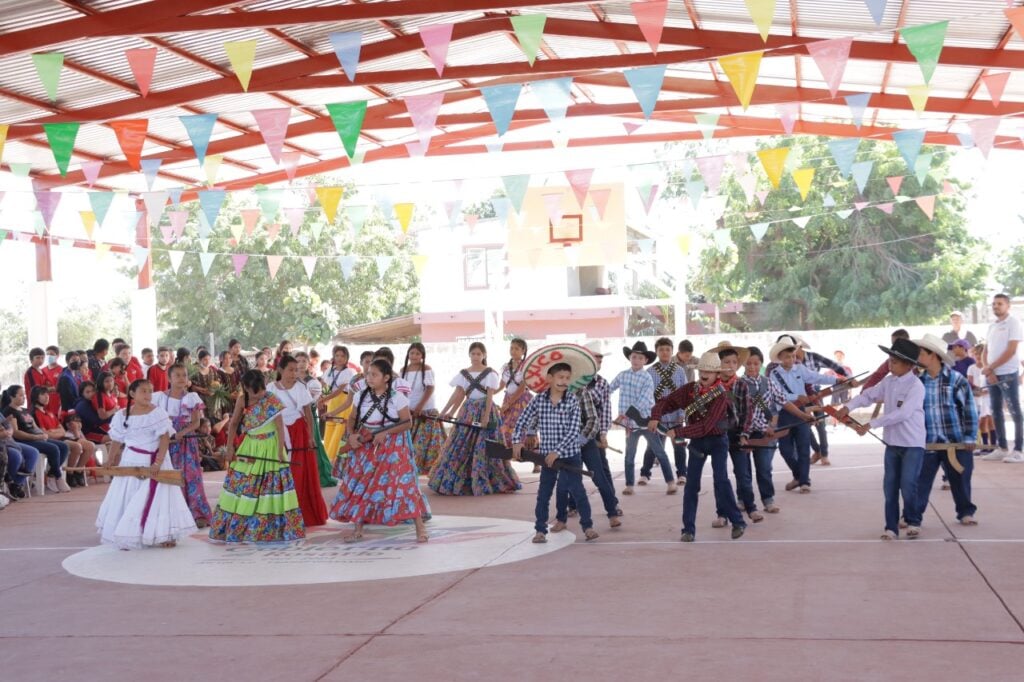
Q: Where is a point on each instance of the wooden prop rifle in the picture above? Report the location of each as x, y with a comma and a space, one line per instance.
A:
496, 450
166, 476
849, 421
778, 433
366, 434
789, 420
950, 450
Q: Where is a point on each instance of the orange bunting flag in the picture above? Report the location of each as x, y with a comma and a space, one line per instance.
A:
774, 160
742, 70
131, 135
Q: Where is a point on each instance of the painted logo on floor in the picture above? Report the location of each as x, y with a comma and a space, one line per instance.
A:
457, 543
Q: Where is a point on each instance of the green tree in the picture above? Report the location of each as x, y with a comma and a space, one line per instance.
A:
870, 269
80, 325
260, 310
1011, 271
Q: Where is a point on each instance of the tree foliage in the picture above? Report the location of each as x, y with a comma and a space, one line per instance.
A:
870, 269
261, 310
1011, 272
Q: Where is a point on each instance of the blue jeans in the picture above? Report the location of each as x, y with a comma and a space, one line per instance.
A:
902, 469
795, 448
1007, 385
20, 457
679, 454
596, 463
718, 448
55, 451
567, 482
744, 481
653, 439
959, 484
819, 444
763, 466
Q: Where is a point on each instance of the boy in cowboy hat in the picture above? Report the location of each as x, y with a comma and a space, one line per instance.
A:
904, 434
707, 406
950, 416
792, 379
732, 358
554, 415
636, 389
668, 376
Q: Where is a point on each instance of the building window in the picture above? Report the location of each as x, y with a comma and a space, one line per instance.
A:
568, 231
483, 267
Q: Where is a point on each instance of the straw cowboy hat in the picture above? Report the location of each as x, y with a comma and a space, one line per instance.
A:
640, 347
784, 345
742, 351
936, 345
906, 350
597, 348
796, 340
710, 362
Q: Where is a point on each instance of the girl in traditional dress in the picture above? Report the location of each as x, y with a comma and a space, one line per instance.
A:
379, 486
138, 512
298, 419
258, 503
517, 395
316, 390
464, 467
428, 435
186, 410
336, 381
263, 367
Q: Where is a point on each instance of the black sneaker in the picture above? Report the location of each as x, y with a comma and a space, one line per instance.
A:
737, 532
73, 480
686, 537
17, 491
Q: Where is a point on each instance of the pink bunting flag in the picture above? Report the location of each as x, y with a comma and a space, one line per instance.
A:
423, 113
631, 127
553, 206
995, 83
250, 216
290, 160
600, 198
273, 265
761, 197
416, 149
648, 201
91, 171
295, 216
947, 187
239, 260
178, 219
46, 202
710, 168
141, 61
748, 183
895, 182
273, 125
273, 229
650, 17
927, 204
579, 180
859, 205
885, 208
831, 57
470, 219
983, 131
787, 114
436, 39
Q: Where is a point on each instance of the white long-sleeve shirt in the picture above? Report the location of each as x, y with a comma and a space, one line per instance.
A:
903, 420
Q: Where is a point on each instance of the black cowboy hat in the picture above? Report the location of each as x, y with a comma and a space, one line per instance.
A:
640, 347
904, 349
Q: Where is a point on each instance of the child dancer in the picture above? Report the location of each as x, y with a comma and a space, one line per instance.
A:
986, 425
258, 503
517, 395
706, 406
316, 389
186, 410
554, 416
904, 433
668, 376
732, 358
637, 390
428, 435
298, 419
758, 417
335, 380
464, 467
380, 484
136, 512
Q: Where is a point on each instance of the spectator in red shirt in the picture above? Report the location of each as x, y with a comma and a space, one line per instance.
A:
132, 366
34, 375
121, 382
105, 399
78, 455
158, 372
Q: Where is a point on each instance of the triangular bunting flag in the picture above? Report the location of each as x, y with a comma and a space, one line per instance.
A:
860, 205
403, 212
831, 57
19, 170
927, 204
176, 258
918, 95
436, 39
100, 203
150, 167
648, 194
101, 250
238, 260
46, 202
61, 137
762, 197
348, 121
895, 182
554, 96
829, 201
290, 161
646, 83
759, 230
925, 43
309, 265
515, 189
723, 240
141, 254
423, 114
273, 265
48, 66
858, 104
877, 9
211, 166
579, 180
710, 168
383, 264
273, 229
205, 261
909, 144
529, 29
250, 216
995, 83
242, 54
553, 206
922, 165
844, 152
707, 124
210, 202
178, 219
600, 198
844, 214
91, 171
803, 178
88, 222
983, 131
742, 70
131, 135
501, 103
141, 61
236, 233
787, 114
269, 201
295, 216
419, 263
273, 125
155, 202
356, 215
762, 12
329, 198
502, 206
861, 173
650, 17
802, 221
347, 264
347, 46
774, 160
175, 194
885, 207
199, 128
695, 190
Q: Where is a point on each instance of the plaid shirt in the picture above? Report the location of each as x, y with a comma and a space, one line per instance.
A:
636, 389
599, 392
591, 415
557, 425
758, 400
950, 415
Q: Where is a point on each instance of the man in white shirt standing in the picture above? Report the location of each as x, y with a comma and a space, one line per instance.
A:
1001, 371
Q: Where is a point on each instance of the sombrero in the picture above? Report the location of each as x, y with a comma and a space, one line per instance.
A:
798, 341
710, 362
535, 369
742, 351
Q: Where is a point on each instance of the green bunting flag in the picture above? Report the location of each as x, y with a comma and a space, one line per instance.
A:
925, 43
348, 121
48, 66
61, 137
529, 30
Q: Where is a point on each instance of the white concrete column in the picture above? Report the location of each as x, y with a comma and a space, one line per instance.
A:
42, 315
144, 330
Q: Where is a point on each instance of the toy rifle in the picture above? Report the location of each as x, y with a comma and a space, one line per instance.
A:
470, 425
367, 434
766, 442
849, 421
816, 398
950, 450
166, 476
497, 450
641, 421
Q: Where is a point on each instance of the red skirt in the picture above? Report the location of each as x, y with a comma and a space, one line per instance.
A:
306, 475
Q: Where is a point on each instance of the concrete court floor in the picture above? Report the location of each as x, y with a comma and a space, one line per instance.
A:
808, 594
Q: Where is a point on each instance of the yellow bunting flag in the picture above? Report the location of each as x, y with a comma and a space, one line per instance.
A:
211, 166
918, 95
3, 138
419, 262
88, 222
761, 12
236, 231
742, 70
242, 54
803, 178
404, 214
102, 250
773, 161
329, 198
684, 241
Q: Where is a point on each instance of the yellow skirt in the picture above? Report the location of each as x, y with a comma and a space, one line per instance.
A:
334, 432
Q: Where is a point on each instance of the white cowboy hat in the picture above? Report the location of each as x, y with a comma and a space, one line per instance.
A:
798, 341
710, 362
597, 347
785, 344
932, 343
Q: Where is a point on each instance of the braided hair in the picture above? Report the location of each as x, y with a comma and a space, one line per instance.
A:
512, 370
131, 395
384, 367
253, 381
416, 345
